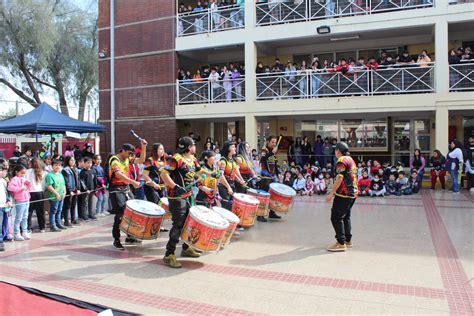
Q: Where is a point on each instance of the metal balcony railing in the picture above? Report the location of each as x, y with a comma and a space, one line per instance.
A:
289, 11
208, 21
205, 91
358, 81
451, 2
461, 76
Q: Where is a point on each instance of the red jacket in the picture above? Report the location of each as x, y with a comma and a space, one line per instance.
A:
364, 184
373, 66
343, 68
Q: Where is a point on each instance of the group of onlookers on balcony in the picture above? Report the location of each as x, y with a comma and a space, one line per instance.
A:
216, 83
319, 76
461, 64
224, 14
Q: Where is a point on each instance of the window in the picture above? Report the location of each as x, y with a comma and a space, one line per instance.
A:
365, 133
422, 134
327, 129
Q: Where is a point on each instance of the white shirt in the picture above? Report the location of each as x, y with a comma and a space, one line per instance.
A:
457, 153
3, 193
35, 186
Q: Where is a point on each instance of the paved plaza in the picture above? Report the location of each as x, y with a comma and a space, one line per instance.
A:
411, 255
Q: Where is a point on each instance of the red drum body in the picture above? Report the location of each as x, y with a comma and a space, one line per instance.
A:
233, 222
245, 207
264, 198
164, 203
204, 229
142, 219
281, 197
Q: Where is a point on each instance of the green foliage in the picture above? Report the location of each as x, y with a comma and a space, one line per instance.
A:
49, 44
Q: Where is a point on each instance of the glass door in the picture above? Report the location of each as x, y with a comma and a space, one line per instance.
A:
401, 141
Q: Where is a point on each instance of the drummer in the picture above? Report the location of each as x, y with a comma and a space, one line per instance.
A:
119, 188
179, 175
244, 161
269, 173
208, 191
231, 172
154, 186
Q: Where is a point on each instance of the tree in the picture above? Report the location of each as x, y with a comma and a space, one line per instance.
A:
49, 45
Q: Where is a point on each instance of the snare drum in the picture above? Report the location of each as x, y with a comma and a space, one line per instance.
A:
204, 229
142, 219
233, 222
165, 204
281, 197
245, 207
264, 198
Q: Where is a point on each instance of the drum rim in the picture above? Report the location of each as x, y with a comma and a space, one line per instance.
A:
233, 216
259, 192
293, 193
246, 195
212, 225
159, 208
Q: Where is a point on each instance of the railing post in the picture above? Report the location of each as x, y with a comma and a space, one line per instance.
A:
177, 92
308, 11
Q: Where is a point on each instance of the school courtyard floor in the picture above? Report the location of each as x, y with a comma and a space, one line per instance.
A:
411, 255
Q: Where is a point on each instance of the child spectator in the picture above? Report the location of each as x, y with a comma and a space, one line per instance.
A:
374, 169
414, 182
87, 183
100, 194
5, 203
20, 189
381, 174
377, 186
364, 184
299, 184
320, 185
284, 167
47, 164
360, 170
36, 175
71, 178
56, 193
403, 183
308, 186
392, 187
329, 182
438, 170
288, 179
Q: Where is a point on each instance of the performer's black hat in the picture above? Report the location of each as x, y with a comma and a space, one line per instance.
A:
342, 147
184, 143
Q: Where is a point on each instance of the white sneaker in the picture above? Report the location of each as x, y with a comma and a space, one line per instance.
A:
26, 236
472, 189
18, 237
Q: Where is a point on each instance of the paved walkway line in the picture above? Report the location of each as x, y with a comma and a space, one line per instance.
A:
459, 291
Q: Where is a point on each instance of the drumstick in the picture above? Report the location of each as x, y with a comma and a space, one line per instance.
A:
196, 181
279, 140
135, 135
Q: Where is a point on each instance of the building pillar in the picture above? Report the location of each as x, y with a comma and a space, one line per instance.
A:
211, 131
251, 128
459, 123
441, 57
250, 66
442, 129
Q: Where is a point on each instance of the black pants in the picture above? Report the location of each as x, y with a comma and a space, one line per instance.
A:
341, 218
470, 177
69, 208
118, 198
226, 197
86, 205
264, 185
179, 212
153, 195
38, 207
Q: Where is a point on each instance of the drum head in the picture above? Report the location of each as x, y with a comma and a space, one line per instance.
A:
246, 198
165, 201
208, 217
228, 215
282, 189
145, 207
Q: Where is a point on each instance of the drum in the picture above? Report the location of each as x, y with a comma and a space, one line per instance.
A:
165, 204
233, 222
264, 198
204, 229
245, 207
142, 219
281, 197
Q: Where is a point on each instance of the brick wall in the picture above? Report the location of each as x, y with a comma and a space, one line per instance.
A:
145, 67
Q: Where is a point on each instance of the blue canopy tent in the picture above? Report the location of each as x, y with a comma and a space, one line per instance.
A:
46, 120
